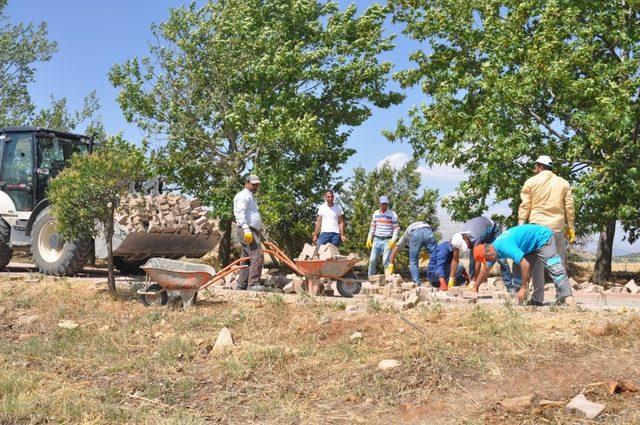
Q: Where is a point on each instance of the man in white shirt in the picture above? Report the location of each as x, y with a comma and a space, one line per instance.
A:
330, 222
249, 221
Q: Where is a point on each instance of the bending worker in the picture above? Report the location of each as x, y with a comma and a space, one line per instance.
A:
547, 200
383, 234
479, 230
524, 244
419, 236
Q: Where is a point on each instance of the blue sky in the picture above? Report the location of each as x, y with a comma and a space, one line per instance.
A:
92, 36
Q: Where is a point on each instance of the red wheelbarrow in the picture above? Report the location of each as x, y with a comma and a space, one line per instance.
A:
318, 273
166, 275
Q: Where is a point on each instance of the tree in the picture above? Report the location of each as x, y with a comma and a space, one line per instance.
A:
268, 86
402, 186
507, 81
86, 194
58, 117
21, 46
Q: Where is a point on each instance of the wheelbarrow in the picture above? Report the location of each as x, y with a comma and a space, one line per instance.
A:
318, 273
166, 275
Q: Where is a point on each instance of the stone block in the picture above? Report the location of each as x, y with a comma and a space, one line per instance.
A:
377, 279
399, 297
388, 364
631, 287
407, 285
307, 252
328, 251
580, 406
574, 285
470, 295
594, 289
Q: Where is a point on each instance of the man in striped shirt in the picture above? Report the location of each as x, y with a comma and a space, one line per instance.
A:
383, 234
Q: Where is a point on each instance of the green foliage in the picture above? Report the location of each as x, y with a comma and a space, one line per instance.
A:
89, 190
402, 186
507, 81
269, 86
58, 117
86, 194
21, 46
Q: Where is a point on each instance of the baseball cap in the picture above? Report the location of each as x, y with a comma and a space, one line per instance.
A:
457, 241
384, 200
544, 160
252, 178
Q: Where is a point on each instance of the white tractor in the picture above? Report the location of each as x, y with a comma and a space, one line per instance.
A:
29, 158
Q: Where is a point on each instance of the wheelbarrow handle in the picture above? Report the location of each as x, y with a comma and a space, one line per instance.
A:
222, 274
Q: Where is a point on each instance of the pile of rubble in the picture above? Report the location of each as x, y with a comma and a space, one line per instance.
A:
587, 287
164, 214
406, 295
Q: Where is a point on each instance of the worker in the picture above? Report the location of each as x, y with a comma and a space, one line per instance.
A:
249, 221
478, 230
523, 244
439, 268
383, 234
420, 239
329, 222
547, 200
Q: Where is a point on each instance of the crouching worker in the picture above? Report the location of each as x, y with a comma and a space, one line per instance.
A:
439, 269
525, 245
418, 236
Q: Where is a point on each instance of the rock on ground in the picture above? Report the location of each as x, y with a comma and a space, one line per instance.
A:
388, 364
225, 339
68, 324
517, 404
580, 406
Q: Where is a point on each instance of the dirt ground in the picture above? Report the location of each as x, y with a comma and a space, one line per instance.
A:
295, 362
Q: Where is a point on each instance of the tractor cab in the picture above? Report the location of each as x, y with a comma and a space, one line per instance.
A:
29, 158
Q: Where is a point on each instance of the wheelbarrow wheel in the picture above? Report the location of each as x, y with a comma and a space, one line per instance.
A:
154, 295
348, 287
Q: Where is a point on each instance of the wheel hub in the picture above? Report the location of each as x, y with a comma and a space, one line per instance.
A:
50, 245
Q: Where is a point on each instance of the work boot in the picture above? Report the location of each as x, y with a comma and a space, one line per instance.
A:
534, 303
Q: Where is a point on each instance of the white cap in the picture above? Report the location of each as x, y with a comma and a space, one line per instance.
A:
544, 160
457, 241
252, 178
384, 200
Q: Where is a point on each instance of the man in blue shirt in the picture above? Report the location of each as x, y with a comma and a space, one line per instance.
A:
439, 268
523, 244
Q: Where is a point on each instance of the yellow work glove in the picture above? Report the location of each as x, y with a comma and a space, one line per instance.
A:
424, 256
452, 282
571, 235
389, 269
369, 243
248, 236
391, 244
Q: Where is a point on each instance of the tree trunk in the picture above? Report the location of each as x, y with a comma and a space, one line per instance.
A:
111, 280
224, 247
602, 269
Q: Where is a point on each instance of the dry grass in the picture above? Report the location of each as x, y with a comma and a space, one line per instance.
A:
155, 365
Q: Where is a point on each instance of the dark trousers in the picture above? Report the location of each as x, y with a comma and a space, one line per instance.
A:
251, 275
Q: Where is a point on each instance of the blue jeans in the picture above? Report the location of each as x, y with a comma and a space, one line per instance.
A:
507, 276
420, 238
329, 237
380, 247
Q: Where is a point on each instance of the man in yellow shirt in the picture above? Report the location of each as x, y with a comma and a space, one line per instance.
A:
547, 200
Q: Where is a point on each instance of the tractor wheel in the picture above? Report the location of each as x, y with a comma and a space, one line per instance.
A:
129, 267
51, 254
5, 249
